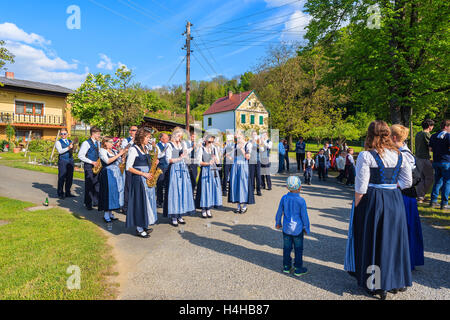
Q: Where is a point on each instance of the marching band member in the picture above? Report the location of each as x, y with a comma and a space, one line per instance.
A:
89, 154
380, 233
265, 162
142, 199
228, 152
180, 199
192, 164
209, 191
255, 164
240, 192
128, 142
163, 179
111, 193
65, 165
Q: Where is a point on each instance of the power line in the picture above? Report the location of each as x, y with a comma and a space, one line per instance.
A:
204, 69
250, 15
212, 56
201, 52
127, 18
246, 26
262, 35
176, 70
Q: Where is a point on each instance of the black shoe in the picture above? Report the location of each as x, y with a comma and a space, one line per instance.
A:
259, 194
150, 230
402, 289
393, 291
269, 189
381, 293
61, 197
143, 234
114, 219
224, 194
107, 221
70, 195
237, 210
181, 222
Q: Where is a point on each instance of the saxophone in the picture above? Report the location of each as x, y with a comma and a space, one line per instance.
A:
154, 170
96, 170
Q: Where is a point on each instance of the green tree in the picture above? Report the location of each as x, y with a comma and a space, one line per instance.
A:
394, 71
5, 55
109, 102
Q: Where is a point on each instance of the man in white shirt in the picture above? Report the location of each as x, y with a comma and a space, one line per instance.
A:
340, 166
128, 142
265, 162
89, 154
163, 179
130, 139
65, 165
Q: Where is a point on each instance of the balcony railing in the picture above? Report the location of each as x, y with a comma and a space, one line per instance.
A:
14, 118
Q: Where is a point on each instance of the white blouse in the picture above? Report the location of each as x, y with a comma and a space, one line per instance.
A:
366, 161
199, 155
104, 155
132, 155
169, 150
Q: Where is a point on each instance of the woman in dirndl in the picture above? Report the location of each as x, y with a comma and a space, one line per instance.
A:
416, 251
110, 179
209, 189
380, 232
180, 199
241, 191
141, 211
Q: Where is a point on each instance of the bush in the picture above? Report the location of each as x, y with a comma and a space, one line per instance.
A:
40, 145
3, 143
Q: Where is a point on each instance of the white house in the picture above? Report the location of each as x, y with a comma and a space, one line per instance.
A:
236, 111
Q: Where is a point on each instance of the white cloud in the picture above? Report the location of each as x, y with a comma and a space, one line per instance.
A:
9, 31
35, 62
105, 62
295, 27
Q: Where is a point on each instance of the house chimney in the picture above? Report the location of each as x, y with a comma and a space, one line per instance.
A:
9, 75
230, 94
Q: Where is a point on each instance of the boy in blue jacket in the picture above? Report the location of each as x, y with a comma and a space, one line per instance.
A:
295, 223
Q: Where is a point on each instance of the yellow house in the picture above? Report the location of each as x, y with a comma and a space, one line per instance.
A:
237, 111
33, 106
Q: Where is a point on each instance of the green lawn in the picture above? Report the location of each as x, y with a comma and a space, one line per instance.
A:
434, 216
38, 247
17, 160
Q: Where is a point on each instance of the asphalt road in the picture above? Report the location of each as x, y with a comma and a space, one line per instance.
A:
239, 256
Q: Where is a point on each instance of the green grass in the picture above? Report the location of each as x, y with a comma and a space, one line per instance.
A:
434, 216
314, 148
17, 160
38, 247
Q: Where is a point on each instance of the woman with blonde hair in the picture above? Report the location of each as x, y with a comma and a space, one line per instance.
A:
379, 230
416, 251
180, 200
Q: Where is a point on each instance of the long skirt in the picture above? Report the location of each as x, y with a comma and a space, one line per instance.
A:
209, 189
141, 202
381, 240
180, 200
111, 194
349, 263
416, 251
240, 189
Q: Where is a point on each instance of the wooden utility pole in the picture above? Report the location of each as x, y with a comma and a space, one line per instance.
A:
188, 72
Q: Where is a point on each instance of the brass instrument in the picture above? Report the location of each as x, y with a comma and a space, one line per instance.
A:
96, 169
154, 170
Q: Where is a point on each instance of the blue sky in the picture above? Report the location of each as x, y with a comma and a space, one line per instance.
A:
230, 37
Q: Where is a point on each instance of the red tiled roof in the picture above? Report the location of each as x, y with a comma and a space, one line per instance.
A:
224, 104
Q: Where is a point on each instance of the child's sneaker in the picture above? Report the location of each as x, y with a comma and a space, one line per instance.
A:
300, 271
287, 269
